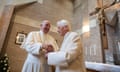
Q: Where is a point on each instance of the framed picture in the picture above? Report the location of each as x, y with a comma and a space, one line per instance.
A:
20, 37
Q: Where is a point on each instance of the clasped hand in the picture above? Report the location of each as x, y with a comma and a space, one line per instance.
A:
47, 48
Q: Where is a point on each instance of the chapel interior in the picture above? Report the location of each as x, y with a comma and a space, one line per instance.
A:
96, 21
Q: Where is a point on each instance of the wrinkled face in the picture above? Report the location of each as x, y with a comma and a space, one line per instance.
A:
62, 30
45, 26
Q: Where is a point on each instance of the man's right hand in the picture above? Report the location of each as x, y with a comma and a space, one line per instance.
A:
44, 48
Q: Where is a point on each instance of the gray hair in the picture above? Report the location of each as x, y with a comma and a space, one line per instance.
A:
63, 23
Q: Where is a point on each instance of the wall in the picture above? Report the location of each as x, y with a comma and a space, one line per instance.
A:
14, 2
116, 45
94, 34
92, 42
2, 3
15, 54
88, 27
19, 2
78, 14
52, 10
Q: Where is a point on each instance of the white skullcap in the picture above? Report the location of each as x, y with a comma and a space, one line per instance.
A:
64, 22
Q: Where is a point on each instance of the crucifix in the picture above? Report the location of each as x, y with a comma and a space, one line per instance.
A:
103, 19
102, 22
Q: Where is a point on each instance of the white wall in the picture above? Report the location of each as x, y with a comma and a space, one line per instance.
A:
17, 2
14, 2
2, 4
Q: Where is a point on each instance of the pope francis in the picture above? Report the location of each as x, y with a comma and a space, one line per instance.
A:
70, 56
35, 45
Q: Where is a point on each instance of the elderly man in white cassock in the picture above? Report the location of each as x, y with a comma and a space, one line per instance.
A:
37, 44
70, 56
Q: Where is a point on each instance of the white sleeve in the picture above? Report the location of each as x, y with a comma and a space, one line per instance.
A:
30, 46
33, 48
57, 58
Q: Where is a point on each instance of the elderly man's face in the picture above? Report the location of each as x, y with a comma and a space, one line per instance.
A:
45, 26
62, 30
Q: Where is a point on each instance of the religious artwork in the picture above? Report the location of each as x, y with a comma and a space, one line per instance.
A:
20, 37
100, 12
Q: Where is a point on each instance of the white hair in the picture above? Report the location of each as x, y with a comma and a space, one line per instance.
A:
64, 23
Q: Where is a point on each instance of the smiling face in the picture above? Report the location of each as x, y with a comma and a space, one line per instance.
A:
63, 27
62, 30
45, 26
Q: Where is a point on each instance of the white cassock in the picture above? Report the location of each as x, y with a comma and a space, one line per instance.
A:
36, 61
70, 57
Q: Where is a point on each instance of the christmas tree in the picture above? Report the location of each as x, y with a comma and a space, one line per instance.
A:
4, 66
